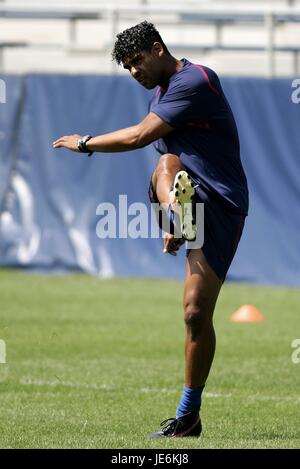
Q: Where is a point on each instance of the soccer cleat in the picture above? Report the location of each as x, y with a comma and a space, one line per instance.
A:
187, 425
184, 193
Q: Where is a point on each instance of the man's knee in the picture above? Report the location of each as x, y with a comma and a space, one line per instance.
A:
168, 163
197, 313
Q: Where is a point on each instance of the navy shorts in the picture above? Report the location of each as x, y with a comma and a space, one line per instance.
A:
222, 231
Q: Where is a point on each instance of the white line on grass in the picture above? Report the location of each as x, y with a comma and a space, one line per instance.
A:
110, 387
71, 384
106, 387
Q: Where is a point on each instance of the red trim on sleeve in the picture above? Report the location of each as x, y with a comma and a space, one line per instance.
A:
207, 79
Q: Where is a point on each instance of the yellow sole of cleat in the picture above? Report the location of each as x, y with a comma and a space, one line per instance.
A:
184, 193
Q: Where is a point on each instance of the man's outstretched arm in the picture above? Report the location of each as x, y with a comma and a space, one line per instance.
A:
147, 131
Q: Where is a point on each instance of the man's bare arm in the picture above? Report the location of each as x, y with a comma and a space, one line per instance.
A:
147, 131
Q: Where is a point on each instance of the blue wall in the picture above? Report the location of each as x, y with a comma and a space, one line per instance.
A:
49, 198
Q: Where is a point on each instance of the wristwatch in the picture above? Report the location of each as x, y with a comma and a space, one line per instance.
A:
81, 144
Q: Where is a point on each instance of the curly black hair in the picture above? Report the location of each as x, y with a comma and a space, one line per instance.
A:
136, 39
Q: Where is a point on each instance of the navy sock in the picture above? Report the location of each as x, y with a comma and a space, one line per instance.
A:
190, 400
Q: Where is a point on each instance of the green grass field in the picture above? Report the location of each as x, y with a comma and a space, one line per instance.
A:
99, 363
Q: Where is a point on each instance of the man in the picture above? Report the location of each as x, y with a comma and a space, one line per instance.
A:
193, 127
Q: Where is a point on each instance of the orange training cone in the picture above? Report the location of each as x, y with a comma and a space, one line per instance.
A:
247, 313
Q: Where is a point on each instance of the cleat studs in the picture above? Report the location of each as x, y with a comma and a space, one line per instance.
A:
183, 191
176, 194
176, 185
179, 176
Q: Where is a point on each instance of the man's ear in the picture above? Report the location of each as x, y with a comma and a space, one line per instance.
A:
157, 49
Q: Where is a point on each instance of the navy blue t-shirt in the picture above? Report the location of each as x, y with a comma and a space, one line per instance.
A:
205, 136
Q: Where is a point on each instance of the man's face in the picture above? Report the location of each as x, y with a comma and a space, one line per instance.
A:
144, 67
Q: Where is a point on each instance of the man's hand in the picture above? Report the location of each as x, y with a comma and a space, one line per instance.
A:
171, 244
68, 141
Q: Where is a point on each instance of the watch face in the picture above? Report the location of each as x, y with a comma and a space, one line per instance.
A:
80, 145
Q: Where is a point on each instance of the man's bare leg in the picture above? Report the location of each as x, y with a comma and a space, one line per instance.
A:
202, 287
201, 291
162, 179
